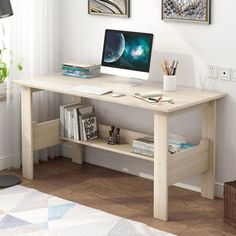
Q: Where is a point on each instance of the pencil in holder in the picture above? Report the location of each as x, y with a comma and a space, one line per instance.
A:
169, 83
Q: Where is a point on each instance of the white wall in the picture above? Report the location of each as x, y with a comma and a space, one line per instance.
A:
5, 149
195, 45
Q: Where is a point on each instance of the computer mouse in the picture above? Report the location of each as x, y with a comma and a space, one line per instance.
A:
117, 94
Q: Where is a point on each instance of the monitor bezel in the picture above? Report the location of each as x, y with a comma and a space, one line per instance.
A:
126, 68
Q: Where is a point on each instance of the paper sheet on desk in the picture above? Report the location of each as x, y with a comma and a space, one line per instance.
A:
163, 99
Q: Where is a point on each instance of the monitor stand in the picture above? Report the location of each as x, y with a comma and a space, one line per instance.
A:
133, 82
128, 81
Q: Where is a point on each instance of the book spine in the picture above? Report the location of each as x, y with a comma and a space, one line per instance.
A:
66, 122
143, 147
142, 152
82, 69
149, 145
79, 75
71, 68
69, 123
76, 127
81, 128
89, 126
84, 131
72, 123
62, 121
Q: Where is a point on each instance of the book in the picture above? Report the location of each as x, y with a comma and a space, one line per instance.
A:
144, 141
78, 122
81, 75
176, 139
81, 67
142, 152
143, 147
62, 118
155, 99
89, 126
152, 97
81, 70
87, 114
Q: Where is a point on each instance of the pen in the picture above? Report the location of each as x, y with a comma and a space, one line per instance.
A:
155, 100
175, 68
172, 68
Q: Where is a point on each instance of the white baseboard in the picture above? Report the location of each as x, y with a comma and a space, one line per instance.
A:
219, 190
219, 187
66, 150
5, 162
189, 187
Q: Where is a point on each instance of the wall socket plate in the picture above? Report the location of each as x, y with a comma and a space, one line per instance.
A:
212, 72
233, 74
224, 73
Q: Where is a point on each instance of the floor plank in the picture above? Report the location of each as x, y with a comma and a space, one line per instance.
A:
129, 196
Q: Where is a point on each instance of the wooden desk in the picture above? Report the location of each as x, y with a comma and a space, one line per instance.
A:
168, 170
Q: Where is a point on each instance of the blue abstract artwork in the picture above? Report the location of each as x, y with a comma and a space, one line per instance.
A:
127, 50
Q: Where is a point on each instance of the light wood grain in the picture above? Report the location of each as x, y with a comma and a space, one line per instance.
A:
188, 163
188, 109
77, 149
183, 97
101, 143
46, 134
161, 166
129, 196
208, 131
27, 133
166, 171
127, 136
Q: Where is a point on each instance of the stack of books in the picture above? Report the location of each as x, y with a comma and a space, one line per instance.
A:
81, 70
78, 122
145, 145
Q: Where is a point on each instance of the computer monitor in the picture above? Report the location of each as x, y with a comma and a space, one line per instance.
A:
127, 54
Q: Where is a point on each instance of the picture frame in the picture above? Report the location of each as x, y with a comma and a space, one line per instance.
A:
120, 8
191, 11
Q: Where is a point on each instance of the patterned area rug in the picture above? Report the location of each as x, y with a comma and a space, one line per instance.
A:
25, 211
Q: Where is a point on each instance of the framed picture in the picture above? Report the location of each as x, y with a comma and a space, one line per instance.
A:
197, 11
109, 7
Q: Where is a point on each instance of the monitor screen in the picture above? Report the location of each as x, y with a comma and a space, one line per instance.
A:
127, 51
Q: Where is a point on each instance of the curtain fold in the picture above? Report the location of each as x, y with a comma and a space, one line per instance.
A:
34, 40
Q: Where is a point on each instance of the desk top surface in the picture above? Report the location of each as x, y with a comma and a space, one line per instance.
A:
183, 98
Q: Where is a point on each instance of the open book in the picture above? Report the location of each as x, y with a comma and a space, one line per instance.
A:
152, 97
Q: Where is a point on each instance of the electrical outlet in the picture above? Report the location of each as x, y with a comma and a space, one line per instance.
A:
224, 73
233, 74
212, 72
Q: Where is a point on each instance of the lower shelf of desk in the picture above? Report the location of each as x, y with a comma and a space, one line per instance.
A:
101, 143
182, 165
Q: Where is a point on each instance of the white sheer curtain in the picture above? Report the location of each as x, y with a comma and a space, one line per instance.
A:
34, 40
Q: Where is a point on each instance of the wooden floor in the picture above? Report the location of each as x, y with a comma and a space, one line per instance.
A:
130, 197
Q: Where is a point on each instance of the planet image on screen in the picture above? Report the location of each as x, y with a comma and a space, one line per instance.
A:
115, 46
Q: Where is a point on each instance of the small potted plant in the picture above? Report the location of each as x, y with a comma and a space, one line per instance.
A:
4, 71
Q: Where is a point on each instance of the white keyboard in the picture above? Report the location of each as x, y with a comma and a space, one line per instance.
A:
92, 90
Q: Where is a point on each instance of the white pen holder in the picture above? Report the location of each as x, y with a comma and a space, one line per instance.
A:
169, 83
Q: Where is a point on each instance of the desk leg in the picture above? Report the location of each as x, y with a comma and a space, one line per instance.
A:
77, 153
161, 166
77, 149
27, 133
208, 132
